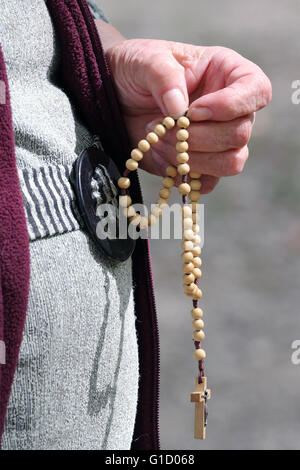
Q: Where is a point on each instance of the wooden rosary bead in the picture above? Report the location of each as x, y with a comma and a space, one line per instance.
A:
152, 220
198, 294
183, 121
195, 185
197, 313
152, 138
188, 235
171, 171
195, 175
190, 288
144, 145
182, 135
199, 335
188, 268
123, 182
187, 246
169, 122
162, 203
182, 146
197, 262
165, 193
168, 182
188, 278
182, 157
197, 273
184, 188
135, 220
187, 257
199, 354
194, 196
186, 211
189, 294
196, 250
143, 223
187, 223
198, 324
125, 201
183, 169
136, 155
160, 130
132, 164
196, 239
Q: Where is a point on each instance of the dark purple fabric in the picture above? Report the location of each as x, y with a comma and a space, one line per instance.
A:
86, 78
14, 252
146, 435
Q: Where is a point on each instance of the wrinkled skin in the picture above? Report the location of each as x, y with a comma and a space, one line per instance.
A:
230, 87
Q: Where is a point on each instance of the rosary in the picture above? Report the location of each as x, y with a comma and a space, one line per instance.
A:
190, 192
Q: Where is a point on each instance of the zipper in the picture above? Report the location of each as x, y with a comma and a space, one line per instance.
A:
150, 289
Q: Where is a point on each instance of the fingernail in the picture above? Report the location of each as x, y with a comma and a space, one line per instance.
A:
174, 102
199, 114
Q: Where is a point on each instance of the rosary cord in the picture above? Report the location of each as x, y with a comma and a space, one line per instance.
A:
195, 302
191, 239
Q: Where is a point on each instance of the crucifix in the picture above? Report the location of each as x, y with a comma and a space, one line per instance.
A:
200, 397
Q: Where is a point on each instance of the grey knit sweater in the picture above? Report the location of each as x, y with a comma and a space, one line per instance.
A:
76, 382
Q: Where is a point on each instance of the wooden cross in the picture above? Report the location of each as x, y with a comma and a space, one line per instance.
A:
200, 397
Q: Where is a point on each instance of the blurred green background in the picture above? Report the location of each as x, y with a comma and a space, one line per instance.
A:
251, 256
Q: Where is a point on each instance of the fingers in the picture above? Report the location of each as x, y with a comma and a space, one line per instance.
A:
208, 183
157, 165
154, 163
246, 90
165, 79
220, 136
218, 164
213, 136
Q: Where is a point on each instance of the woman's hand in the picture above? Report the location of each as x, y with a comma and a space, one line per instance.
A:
222, 90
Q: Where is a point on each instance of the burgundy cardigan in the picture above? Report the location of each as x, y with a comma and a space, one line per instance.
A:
86, 79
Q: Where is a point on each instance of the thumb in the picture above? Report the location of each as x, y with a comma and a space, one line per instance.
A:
165, 79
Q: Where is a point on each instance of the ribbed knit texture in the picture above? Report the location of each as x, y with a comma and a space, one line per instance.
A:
76, 382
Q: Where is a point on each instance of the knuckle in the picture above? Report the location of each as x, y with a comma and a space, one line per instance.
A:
264, 85
162, 65
209, 185
234, 164
155, 66
241, 134
267, 94
228, 104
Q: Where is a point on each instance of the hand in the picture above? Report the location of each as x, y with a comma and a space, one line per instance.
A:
222, 89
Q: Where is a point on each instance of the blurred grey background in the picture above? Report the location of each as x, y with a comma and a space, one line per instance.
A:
251, 269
